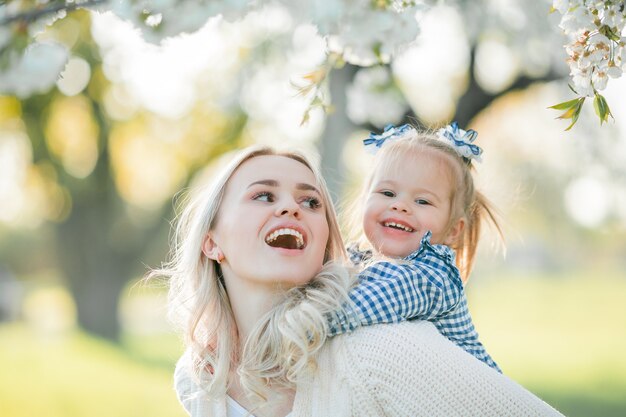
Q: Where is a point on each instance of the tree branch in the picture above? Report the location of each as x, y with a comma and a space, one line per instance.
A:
476, 99
32, 15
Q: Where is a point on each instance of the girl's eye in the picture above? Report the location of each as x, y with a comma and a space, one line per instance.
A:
312, 203
388, 193
421, 201
264, 196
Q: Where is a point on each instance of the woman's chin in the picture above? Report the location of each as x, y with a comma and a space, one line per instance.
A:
289, 278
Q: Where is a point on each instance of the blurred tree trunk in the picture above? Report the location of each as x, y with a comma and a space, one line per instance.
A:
96, 270
96, 248
338, 127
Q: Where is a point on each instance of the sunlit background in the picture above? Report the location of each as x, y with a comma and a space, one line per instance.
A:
89, 173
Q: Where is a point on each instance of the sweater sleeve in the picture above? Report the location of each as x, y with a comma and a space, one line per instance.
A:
390, 292
410, 369
190, 395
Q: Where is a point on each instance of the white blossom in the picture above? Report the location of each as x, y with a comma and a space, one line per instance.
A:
362, 33
619, 54
614, 71
599, 79
161, 19
613, 17
374, 98
36, 71
594, 54
368, 36
561, 5
581, 79
599, 41
579, 20
326, 15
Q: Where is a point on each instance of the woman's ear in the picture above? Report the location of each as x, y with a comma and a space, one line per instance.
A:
456, 230
211, 250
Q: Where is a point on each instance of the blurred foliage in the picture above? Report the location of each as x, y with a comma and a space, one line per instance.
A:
95, 184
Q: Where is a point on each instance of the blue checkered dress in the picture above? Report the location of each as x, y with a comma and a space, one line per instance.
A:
426, 285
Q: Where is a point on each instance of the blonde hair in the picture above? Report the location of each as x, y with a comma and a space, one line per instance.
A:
466, 201
282, 344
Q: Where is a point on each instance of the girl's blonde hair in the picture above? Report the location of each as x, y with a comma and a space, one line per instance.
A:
284, 341
466, 201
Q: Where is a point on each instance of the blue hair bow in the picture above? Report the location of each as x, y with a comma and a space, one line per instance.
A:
374, 142
461, 141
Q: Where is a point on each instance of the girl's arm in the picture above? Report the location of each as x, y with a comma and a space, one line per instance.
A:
423, 288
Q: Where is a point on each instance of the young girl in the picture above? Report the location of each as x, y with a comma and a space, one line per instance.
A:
420, 206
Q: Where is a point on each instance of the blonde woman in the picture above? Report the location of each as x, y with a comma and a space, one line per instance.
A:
255, 274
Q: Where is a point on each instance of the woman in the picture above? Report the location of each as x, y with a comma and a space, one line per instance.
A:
253, 280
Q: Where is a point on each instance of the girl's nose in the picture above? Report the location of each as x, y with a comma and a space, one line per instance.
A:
400, 205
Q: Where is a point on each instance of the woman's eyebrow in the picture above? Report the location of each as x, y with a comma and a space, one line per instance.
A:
307, 187
271, 183
303, 186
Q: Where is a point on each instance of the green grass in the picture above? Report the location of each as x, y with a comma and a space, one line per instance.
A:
76, 375
562, 338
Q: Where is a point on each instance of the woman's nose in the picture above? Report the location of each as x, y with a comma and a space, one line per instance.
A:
288, 207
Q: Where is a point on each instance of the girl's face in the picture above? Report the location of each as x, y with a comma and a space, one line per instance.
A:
271, 225
407, 199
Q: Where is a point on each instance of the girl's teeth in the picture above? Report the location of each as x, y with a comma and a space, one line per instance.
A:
398, 226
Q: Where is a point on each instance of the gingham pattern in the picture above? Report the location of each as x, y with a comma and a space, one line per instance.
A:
426, 285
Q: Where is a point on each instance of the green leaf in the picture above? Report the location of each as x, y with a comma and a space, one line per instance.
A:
601, 107
568, 114
564, 105
573, 110
607, 31
577, 110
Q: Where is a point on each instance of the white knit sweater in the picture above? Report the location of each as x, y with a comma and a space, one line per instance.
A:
407, 369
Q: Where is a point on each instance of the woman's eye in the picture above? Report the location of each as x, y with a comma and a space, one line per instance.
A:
312, 203
388, 193
264, 196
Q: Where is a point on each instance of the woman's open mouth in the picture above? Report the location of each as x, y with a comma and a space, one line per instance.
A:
286, 238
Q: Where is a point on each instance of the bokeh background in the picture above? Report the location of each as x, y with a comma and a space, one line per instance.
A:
90, 171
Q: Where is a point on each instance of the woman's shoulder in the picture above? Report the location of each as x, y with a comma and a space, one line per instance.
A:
392, 344
189, 392
410, 369
182, 371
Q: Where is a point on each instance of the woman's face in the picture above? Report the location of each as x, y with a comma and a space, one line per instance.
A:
271, 225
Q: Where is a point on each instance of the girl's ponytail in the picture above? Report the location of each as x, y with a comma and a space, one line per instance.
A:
479, 210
